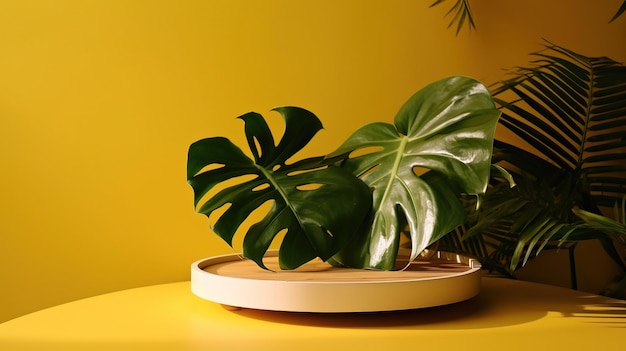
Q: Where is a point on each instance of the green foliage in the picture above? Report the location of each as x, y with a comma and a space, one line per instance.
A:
461, 12
446, 128
310, 199
346, 208
571, 112
619, 12
616, 230
610, 226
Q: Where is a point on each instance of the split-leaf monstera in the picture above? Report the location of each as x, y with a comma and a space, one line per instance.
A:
311, 201
350, 209
446, 128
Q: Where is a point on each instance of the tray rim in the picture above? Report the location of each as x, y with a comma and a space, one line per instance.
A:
334, 296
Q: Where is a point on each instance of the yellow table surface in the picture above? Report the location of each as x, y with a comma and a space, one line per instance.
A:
507, 315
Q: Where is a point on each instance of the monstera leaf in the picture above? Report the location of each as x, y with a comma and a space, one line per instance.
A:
315, 202
439, 146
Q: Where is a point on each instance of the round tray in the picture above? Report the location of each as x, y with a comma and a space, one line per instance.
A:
442, 279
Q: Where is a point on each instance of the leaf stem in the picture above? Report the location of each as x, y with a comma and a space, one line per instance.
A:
394, 169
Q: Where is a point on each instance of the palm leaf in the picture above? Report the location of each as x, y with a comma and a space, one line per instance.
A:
571, 112
619, 12
461, 12
615, 229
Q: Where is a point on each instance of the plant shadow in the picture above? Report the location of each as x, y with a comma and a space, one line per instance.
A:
599, 310
433, 316
502, 302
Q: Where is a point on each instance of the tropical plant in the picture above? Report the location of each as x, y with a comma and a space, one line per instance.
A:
311, 199
616, 230
350, 207
446, 129
462, 13
619, 12
569, 111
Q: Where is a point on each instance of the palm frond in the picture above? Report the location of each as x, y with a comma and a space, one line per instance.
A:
571, 110
569, 113
619, 12
461, 12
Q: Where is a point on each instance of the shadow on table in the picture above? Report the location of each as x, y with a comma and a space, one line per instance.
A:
600, 310
434, 316
502, 302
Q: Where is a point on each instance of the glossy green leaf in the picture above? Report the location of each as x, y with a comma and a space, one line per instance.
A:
445, 129
316, 203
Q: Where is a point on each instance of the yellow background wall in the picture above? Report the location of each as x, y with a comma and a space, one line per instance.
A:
100, 99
